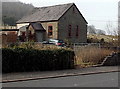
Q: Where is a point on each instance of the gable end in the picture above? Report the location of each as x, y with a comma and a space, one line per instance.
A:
77, 10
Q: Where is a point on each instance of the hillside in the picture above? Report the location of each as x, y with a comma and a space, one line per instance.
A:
13, 11
107, 38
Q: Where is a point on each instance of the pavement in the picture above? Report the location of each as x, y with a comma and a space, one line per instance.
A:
26, 76
93, 80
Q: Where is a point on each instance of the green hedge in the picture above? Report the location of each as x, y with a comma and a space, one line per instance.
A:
23, 60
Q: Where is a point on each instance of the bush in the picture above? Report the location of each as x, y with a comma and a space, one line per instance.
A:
23, 60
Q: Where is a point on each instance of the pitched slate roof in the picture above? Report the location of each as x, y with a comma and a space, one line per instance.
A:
46, 13
50, 13
37, 26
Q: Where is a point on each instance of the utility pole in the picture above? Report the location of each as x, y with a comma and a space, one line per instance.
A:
119, 23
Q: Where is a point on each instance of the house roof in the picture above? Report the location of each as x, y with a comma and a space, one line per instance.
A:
50, 13
23, 28
37, 26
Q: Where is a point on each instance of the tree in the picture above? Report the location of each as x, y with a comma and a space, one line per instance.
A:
100, 32
91, 29
9, 21
115, 31
111, 30
13, 11
109, 27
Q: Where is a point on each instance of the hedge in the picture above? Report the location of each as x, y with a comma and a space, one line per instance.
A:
23, 60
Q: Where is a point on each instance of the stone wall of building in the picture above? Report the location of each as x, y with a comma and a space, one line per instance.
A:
72, 18
55, 29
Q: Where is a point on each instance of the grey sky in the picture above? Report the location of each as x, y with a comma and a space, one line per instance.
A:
96, 12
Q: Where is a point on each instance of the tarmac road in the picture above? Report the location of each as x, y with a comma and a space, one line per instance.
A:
93, 80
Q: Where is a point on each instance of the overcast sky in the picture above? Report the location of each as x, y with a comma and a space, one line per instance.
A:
96, 12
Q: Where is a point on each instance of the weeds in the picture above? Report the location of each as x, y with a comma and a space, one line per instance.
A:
84, 55
90, 55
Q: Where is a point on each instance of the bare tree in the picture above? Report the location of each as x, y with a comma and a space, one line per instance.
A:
115, 31
109, 28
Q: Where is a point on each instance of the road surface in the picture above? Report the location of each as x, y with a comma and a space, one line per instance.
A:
93, 80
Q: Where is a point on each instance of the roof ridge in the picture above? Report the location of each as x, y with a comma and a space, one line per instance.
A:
54, 5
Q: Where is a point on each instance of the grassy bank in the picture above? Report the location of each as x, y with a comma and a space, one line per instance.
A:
87, 56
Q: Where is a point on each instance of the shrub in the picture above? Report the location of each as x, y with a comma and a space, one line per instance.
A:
23, 60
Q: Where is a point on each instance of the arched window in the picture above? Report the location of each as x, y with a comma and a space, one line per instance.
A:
73, 10
50, 31
69, 30
77, 31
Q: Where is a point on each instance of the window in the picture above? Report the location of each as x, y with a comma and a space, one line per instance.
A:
50, 31
69, 30
77, 31
73, 9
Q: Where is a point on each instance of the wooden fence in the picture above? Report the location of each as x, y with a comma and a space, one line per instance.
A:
9, 38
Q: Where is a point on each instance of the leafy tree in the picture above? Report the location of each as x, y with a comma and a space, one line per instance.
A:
9, 21
13, 11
